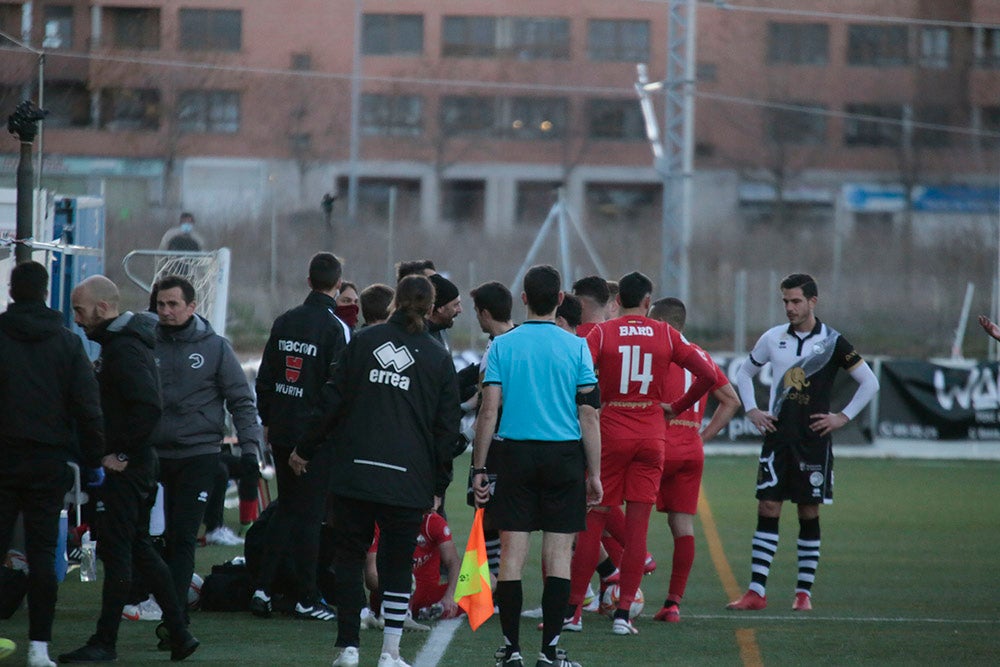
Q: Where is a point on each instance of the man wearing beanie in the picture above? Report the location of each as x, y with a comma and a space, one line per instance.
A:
447, 306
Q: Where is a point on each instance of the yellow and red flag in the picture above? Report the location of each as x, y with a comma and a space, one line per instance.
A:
473, 593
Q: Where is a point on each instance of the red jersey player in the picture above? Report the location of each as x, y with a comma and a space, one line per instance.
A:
434, 546
632, 354
684, 457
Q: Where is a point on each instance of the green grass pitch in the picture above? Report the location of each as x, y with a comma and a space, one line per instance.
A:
909, 574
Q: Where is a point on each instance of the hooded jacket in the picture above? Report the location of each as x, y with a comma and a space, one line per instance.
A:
394, 403
48, 391
129, 383
299, 357
200, 378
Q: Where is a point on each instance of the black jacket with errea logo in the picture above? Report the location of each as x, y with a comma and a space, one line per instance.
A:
393, 408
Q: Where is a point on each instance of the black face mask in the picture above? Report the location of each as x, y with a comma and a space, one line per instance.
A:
348, 313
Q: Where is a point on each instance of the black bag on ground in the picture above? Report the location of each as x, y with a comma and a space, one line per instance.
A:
227, 588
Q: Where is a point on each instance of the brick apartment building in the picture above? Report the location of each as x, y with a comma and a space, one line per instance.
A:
475, 110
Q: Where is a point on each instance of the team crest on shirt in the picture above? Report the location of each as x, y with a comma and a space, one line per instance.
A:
796, 382
796, 378
293, 368
818, 348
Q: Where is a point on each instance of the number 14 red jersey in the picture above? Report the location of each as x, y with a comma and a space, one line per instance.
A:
632, 355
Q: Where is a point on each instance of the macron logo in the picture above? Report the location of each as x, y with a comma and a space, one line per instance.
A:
390, 356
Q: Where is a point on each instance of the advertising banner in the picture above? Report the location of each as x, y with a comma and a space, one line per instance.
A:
939, 401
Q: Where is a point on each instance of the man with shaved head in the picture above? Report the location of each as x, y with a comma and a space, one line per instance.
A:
130, 399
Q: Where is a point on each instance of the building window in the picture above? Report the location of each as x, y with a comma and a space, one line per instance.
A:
535, 200
987, 47
794, 126
466, 114
534, 117
132, 27
10, 24
209, 111
505, 117
301, 62
877, 45
798, 43
397, 34
523, 38
68, 103
469, 36
211, 29
928, 137
989, 121
463, 202
130, 109
623, 203
58, 22
706, 72
618, 41
537, 39
935, 48
392, 115
616, 120
873, 125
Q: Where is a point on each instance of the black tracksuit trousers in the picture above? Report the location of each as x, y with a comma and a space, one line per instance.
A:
124, 545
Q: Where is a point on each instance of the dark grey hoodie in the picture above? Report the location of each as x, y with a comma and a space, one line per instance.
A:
200, 378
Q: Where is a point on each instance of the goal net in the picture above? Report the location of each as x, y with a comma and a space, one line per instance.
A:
207, 271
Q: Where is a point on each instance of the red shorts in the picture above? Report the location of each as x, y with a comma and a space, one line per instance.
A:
679, 485
426, 594
630, 470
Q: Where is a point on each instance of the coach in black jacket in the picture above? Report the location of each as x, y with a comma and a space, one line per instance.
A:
298, 359
394, 403
47, 388
130, 398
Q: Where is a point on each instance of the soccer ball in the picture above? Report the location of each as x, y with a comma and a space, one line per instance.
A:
610, 602
194, 591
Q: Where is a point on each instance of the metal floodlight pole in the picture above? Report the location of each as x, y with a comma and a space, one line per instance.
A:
355, 148
23, 124
673, 155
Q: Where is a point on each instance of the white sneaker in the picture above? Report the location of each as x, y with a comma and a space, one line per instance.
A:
223, 536
410, 624
623, 626
149, 610
387, 660
130, 612
590, 600
38, 655
369, 621
347, 658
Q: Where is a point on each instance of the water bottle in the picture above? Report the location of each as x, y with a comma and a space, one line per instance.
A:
61, 562
88, 558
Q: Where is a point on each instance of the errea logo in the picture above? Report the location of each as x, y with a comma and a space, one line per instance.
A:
389, 357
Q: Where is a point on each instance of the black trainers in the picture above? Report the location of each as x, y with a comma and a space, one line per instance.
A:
317, 611
260, 604
504, 660
164, 636
90, 653
561, 660
182, 649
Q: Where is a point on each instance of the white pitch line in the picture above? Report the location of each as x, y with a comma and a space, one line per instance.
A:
744, 618
437, 643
